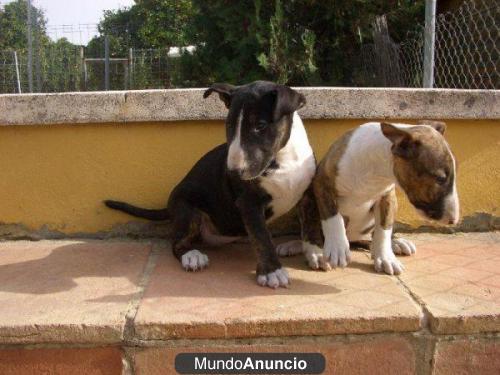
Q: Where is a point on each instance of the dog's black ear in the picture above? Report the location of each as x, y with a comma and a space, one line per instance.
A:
286, 101
225, 91
403, 144
438, 125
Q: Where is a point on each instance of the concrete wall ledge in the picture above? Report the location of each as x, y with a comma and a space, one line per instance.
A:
188, 104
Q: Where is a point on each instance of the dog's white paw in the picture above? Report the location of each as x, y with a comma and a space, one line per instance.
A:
388, 263
274, 279
289, 248
315, 258
194, 260
402, 246
337, 252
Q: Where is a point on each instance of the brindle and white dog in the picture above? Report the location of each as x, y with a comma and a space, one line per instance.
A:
355, 192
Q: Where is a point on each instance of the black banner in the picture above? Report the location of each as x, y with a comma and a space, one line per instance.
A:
250, 363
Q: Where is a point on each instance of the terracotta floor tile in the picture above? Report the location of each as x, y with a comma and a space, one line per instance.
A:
479, 252
463, 296
67, 291
430, 282
466, 273
489, 265
316, 303
478, 290
80, 291
493, 280
426, 265
452, 260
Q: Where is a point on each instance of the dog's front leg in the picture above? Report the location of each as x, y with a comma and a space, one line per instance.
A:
311, 242
336, 249
312, 238
269, 270
381, 246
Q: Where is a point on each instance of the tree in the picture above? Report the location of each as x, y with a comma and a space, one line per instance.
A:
291, 49
297, 42
148, 24
60, 65
286, 40
342, 26
229, 41
13, 25
166, 22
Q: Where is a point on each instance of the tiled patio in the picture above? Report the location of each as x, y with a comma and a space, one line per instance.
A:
134, 294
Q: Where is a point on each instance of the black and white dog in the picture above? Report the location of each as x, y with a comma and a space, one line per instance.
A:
236, 189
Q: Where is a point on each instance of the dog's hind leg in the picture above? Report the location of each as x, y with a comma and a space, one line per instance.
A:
210, 235
186, 229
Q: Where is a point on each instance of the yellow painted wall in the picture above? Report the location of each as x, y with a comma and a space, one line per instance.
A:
58, 175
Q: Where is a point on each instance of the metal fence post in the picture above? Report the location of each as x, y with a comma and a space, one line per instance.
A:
30, 49
18, 79
85, 75
125, 75
81, 76
37, 60
106, 62
131, 67
429, 42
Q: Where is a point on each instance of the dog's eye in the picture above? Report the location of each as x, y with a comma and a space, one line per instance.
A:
441, 180
261, 125
440, 176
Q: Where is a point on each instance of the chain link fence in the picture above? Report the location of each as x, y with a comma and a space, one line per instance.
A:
72, 58
468, 46
466, 51
68, 65
11, 73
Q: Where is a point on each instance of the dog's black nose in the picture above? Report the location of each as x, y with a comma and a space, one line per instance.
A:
235, 172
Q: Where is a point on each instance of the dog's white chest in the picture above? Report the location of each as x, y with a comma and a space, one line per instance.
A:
286, 186
297, 167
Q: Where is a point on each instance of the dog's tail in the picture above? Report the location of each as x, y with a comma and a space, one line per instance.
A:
158, 215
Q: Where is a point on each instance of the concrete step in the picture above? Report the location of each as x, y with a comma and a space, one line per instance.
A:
110, 306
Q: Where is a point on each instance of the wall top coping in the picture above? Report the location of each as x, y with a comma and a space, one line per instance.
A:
188, 104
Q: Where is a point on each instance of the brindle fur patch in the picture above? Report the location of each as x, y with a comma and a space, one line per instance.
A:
440, 126
388, 207
309, 219
186, 230
368, 229
324, 181
346, 221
